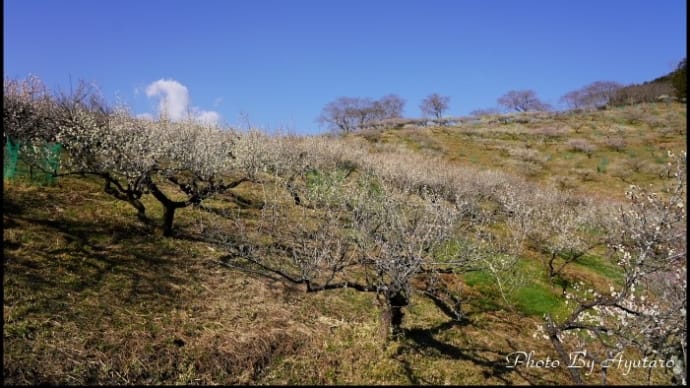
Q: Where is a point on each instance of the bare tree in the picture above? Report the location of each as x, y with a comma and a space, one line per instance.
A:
134, 157
601, 92
522, 101
398, 238
389, 107
365, 236
340, 114
646, 92
574, 99
434, 105
555, 223
484, 112
196, 158
594, 95
347, 114
647, 312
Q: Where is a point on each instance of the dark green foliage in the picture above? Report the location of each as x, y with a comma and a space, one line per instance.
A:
679, 79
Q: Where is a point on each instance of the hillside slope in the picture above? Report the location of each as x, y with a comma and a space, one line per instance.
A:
592, 152
94, 296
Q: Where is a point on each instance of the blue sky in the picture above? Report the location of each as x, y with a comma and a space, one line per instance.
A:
279, 62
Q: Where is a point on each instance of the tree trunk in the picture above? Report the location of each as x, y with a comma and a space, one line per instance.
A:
169, 206
141, 210
130, 195
396, 302
565, 358
168, 216
385, 323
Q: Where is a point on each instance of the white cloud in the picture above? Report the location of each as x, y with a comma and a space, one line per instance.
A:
207, 117
173, 102
173, 98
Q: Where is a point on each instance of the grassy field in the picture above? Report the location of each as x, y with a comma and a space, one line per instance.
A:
94, 296
595, 153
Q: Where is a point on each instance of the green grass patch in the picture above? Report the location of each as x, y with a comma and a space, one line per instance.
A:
537, 300
661, 158
489, 298
603, 165
317, 179
600, 266
479, 279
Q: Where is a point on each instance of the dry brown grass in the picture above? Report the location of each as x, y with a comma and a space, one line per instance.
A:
91, 299
487, 145
92, 296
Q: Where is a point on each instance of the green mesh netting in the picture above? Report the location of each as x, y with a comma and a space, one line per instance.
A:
35, 163
10, 159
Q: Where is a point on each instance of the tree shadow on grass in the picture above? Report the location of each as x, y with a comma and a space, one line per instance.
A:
87, 286
491, 361
135, 271
63, 249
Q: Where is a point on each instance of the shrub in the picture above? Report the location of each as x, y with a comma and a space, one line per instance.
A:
634, 164
527, 155
647, 310
565, 182
529, 169
582, 145
585, 175
615, 143
550, 132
